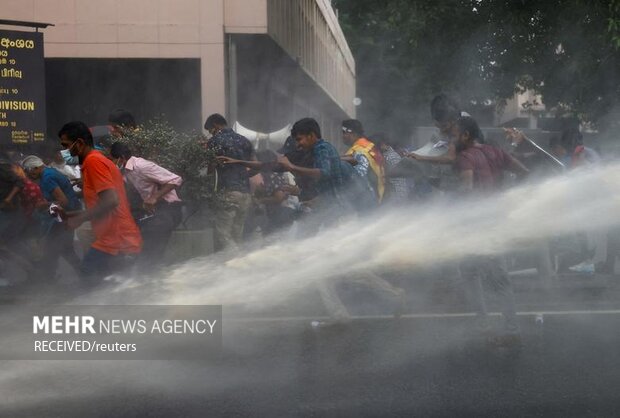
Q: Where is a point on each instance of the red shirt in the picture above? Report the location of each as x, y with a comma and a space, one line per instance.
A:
116, 232
488, 164
474, 159
30, 197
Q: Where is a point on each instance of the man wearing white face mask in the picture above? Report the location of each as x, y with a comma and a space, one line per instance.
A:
117, 237
67, 164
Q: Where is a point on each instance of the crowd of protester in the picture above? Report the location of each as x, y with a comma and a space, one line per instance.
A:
118, 208
122, 209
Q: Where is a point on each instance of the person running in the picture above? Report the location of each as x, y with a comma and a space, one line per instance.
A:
233, 180
333, 177
480, 168
367, 161
56, 188
118, 238
159, 211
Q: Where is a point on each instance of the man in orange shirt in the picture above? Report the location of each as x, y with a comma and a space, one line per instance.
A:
117, 235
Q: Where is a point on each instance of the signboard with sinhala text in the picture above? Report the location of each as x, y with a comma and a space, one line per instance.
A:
22, 88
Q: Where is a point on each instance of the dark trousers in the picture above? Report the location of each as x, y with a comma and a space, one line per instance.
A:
490, 272
59, 243
97, 264
278, 217
325, 213
12, 226
156, 232
613, 249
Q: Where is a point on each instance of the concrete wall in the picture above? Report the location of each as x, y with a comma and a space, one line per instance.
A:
243, 16
274, 91
197, 29
136, 29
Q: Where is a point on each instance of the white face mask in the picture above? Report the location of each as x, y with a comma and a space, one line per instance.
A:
69, 159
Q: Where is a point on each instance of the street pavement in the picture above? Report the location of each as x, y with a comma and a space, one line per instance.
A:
430, 363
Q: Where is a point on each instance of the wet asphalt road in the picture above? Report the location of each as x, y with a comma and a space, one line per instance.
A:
422, 365
567, 367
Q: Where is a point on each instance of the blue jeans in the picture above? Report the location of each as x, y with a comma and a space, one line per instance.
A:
97, 264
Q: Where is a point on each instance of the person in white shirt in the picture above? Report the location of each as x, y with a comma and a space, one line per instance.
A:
156, 207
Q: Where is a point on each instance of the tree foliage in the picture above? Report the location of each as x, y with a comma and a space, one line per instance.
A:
182, 153
482, 52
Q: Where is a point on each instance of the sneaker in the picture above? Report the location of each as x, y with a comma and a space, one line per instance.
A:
330, 324
586, 267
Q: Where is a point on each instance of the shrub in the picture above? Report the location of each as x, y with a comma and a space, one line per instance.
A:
182, 153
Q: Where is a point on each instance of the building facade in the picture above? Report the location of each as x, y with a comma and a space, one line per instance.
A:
263, 63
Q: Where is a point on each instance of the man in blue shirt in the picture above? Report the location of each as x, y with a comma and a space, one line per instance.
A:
56, 188
336, 190
232, 180
332, 175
